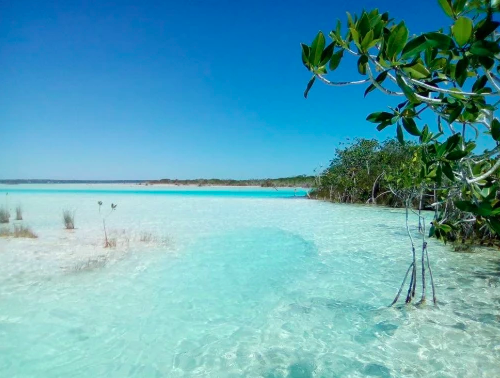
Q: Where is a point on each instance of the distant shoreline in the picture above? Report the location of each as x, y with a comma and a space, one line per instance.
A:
5, 186
285, 182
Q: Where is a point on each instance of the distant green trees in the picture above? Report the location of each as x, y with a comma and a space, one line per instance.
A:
368, 171
302, 181
452, 73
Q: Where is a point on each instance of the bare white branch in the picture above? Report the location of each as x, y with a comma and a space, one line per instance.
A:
379, 86
340, 83
486, 174
492, 81
448, 91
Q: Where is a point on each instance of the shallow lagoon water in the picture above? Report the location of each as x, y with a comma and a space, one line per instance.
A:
232, 283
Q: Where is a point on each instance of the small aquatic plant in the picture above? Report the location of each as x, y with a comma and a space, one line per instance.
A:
69, 219
20, 231
107, 242
19, 212
91, 264
4, 215
146, 237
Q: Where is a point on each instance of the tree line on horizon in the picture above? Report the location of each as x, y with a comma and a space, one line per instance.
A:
302, 181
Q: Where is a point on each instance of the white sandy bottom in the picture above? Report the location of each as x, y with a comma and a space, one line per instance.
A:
235, 287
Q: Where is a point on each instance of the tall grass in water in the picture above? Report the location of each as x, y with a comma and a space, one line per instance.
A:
19, 212
4, 210
4, 215
69, 219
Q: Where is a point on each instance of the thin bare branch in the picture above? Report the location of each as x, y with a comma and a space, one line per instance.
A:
492, 81
448, 91
340, 83
379, 86
486, 174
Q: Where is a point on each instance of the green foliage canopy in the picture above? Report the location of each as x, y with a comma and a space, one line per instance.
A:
453, 73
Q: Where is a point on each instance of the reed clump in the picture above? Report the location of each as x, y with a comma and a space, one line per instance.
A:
4, 215
69, 219
19, 212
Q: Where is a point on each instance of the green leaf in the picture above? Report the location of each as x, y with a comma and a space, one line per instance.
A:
485, 28
349, 20
495, 225
466, 206
455, 113
377, 26
399, 133
370, 88
439, 175
397, 40
367, 40
441, 150
484, 209
446, 6
439, 40
438, 64
432, 231
379, 117
448, 171
309, 85
461, 71
317, 49
410, 126
305, 55
383, 125
486, 61
410, 95
445, 228
495, 129
327, 54
363, 25
338, 27
456, 155
417, 71
453, 142
425, 137
355, 37
462, 30
430, 53
480, 83
379, 79
470, 146
336, 58
362, 61
414, 47
459, 5
484, 48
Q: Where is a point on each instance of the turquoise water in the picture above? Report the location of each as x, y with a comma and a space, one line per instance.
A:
255, 192
235, 286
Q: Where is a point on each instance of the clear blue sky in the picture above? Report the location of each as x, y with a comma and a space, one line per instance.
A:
177, 89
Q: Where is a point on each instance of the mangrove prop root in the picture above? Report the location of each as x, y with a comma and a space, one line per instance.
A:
402, 285
434, 299
424, 248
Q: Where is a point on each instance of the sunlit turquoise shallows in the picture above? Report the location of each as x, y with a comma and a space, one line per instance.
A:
210, 282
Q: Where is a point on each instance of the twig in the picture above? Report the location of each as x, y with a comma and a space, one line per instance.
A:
340, 83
